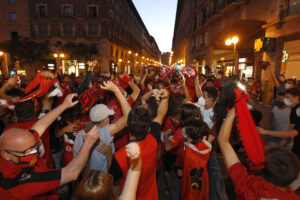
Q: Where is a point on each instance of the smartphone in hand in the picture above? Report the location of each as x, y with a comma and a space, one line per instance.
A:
88, 126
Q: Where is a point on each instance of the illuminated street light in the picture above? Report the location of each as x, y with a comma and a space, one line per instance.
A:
129, 52
136, 54
120, 60
128, 61
235, 40
55, 55
228, 42
143, 57
1, 53
62, 55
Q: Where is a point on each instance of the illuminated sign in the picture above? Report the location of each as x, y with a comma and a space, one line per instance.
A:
242, 66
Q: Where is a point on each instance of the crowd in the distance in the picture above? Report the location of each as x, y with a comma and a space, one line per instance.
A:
112, 136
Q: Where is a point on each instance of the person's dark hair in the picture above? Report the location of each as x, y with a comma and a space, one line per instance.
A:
196, 129
211, 80
220, 110
14, 92
293, 91
257, 116
72, 113
281, 167
202, 75
173, 106
281, 93
292, 80
147, 81
173, 82
152, 107
188, 111
212, 92
138, 122
95, 185
25, 111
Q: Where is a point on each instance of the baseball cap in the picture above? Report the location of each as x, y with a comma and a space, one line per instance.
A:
99, 112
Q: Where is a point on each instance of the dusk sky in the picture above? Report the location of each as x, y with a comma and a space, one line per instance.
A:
159, 18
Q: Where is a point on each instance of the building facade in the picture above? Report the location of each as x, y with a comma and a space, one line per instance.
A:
166, 58
265, 30
113, 30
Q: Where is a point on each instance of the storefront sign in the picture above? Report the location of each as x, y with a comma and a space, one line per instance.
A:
242, 66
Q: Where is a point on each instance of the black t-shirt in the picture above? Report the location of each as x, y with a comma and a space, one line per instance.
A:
295, 119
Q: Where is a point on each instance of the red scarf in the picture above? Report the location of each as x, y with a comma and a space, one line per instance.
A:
247, 130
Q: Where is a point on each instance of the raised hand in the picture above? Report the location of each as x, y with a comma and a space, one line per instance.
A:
68, 102
92, 136
132, 150
110, 86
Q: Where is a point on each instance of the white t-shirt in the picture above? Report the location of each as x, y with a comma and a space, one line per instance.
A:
207, 116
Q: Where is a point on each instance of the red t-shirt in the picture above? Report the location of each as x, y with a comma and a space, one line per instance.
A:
173, 126
248, 186
194, 183
47, 156
36, 182
147, 189
178, 142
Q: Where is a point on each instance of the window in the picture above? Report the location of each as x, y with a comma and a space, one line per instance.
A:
93, 48
92, 11
41, 10
68, 29
14, 35
67, 11
11, 1
93, 30
12, 16
43, 29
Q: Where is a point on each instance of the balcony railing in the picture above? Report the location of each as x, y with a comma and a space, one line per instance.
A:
292, 9
220, 6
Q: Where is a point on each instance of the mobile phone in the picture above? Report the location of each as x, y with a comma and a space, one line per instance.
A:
12, 73
88, 126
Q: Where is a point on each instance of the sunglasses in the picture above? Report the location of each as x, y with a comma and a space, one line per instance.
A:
26, 151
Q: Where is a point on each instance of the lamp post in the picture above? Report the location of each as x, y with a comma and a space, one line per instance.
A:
5, 68
234, 40
58, 57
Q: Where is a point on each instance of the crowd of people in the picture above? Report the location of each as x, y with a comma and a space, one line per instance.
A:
112, 136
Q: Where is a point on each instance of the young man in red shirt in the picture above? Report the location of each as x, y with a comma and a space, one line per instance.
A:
194, 182
23, 174
280, 169
139, 124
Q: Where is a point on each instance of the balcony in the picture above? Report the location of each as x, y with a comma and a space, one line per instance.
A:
221, 6
292, 9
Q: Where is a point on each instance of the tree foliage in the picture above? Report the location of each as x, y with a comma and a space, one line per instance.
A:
26, 51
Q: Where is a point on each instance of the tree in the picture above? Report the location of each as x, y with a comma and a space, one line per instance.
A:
26, 51
77, 51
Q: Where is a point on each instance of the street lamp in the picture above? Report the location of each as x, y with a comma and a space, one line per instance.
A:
234, 40
58, 57
129, 52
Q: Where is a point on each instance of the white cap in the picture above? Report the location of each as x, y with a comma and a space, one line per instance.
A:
99, 112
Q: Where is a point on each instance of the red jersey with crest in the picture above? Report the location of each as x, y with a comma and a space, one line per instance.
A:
194, 183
